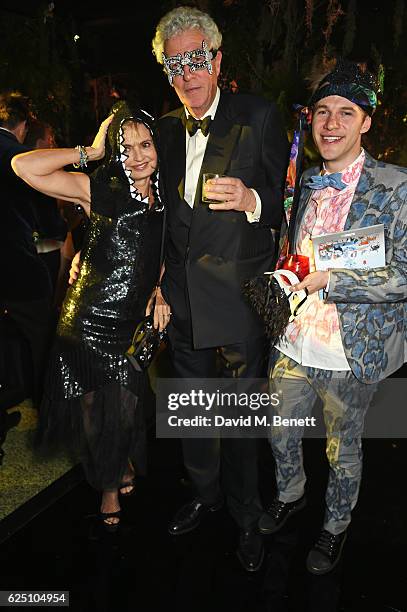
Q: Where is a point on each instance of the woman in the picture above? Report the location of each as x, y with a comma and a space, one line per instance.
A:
93, 396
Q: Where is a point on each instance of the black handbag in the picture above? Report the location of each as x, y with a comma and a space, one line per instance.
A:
145, 344
146, 339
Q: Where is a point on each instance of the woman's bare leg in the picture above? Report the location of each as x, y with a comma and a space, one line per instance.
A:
128, 477
110, 503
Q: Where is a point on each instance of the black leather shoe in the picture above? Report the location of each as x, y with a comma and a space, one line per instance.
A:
251, 550
326, 552
278, 513
190, 516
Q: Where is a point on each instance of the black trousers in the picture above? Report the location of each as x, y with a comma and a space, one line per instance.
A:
226, 466
34, 322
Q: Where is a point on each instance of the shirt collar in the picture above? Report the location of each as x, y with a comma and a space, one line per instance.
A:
6, 130
351, 172
212, 109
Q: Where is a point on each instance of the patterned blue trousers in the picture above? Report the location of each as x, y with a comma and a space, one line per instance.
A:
345, 401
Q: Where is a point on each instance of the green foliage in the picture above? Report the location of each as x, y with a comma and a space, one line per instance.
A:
270, 47
273, 47
39, 58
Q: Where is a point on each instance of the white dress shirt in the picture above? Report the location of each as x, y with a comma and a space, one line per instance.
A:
195, 151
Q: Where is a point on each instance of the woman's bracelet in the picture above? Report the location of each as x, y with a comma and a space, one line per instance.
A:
83, 157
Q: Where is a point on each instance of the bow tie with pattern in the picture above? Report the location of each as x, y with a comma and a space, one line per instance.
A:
193, 125
327, 180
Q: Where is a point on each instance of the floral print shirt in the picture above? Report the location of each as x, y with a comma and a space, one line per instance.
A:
313, 339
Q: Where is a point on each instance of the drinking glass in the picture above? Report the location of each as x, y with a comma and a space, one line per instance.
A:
206, 176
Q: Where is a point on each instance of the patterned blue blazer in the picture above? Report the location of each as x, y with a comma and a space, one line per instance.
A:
372, 304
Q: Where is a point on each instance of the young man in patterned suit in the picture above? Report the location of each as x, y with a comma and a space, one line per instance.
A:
339, 347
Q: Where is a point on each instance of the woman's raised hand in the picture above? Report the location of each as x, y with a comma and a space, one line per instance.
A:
97, 150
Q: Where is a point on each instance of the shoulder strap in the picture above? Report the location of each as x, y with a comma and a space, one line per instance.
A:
162, 242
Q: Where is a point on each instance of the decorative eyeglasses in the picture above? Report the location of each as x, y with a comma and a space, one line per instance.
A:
198, 59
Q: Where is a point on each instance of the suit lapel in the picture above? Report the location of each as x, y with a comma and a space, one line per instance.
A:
176, 156
222, 139
8, 135
360, 203
305, 196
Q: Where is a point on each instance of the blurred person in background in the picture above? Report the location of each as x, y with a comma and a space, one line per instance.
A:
25, 287
51, 225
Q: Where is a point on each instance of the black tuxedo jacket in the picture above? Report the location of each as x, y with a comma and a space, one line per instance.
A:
24, 276
210, 254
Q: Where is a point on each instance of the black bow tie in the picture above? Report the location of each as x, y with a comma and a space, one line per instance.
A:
193, 125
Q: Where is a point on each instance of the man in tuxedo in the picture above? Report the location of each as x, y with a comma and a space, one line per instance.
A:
25, 288
211, 250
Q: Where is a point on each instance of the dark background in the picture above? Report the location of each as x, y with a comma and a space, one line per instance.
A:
269, 47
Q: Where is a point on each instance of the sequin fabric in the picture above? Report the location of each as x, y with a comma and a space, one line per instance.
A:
93, 399
119, 268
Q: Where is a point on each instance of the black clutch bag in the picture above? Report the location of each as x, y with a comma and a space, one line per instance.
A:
145, 344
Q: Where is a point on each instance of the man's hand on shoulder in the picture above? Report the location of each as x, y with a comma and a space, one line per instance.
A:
232, 194
75, 268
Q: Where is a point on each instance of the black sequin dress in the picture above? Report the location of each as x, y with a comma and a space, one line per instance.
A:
93, 396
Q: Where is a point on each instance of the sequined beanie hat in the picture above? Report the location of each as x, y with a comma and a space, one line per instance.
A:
349, 80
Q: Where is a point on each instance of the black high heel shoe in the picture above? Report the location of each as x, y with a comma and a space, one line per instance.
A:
128, 483
110, 527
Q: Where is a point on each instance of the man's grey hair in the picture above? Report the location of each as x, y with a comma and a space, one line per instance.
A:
181, 19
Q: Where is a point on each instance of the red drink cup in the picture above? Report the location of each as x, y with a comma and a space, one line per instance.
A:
299, 264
